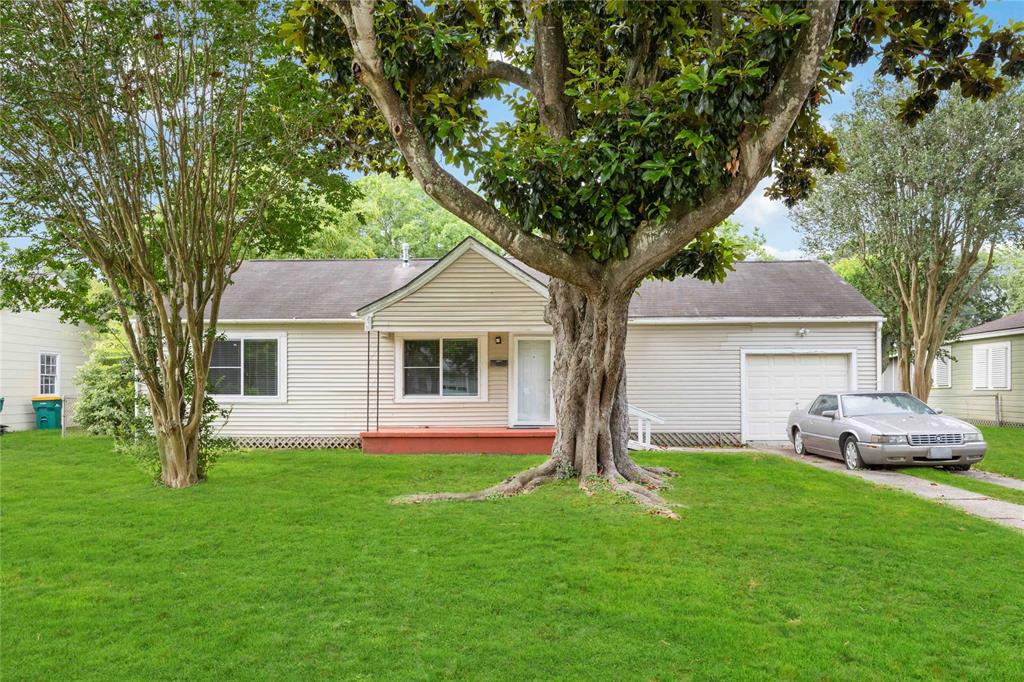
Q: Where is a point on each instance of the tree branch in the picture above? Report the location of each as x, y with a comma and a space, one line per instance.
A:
496, 70
653, 244
439, 184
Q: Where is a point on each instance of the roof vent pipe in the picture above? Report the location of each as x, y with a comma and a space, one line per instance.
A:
405, 253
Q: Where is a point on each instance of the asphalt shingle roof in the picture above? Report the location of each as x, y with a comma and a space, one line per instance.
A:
1015, 321
334, 289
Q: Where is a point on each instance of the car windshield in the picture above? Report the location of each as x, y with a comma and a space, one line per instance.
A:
883, 403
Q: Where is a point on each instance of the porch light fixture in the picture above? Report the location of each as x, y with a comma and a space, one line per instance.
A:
803, 331
497, 340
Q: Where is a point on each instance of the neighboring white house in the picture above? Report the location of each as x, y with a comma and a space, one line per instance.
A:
326, 352
39, 355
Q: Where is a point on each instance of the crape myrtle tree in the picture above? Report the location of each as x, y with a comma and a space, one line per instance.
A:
636, 128
152, 144
923, 210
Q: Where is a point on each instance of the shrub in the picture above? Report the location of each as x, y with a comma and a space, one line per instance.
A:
109, 405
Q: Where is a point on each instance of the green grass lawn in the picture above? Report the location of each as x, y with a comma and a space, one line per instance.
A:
1005, 451
293, 565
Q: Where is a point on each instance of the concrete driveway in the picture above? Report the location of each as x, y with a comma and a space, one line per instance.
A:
998, 511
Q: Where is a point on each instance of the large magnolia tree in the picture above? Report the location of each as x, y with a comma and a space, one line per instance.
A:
635, 128
923, 210
151, 144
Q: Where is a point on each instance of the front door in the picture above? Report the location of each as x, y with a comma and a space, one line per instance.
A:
532, 382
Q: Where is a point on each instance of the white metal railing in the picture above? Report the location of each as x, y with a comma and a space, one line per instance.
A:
644, 420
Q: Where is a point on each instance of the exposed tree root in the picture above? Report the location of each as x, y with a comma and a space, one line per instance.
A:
642, 489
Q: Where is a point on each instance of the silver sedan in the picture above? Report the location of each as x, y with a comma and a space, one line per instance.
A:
883, 429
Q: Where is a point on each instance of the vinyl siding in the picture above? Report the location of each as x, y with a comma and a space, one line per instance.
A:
690, 374
23, 336
961, 400
327, 379
471, 294
326, 384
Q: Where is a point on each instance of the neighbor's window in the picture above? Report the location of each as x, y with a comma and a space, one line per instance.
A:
991, 366
440, 367
48, 373
244, 367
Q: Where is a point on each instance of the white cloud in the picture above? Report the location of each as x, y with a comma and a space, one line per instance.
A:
772, 217
786, 254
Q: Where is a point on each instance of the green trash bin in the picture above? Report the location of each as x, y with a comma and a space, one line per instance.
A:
47, 409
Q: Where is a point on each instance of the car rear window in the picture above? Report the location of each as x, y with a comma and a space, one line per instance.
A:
883, 403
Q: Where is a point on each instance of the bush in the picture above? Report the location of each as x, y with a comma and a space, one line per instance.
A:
108, 405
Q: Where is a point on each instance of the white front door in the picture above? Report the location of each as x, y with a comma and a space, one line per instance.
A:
532, 382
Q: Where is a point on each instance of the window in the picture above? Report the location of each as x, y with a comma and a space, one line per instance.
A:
942, 369
441, 367
883, 403
244, 367
991, 367
823, 403
49, 373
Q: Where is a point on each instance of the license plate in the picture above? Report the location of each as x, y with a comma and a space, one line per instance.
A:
940, 453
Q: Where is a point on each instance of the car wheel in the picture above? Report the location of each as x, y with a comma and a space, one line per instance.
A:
851, 454
798, 442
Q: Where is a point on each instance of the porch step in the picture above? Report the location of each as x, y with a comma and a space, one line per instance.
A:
434, 440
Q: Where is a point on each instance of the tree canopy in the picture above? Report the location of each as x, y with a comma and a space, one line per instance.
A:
388, 212
154, 145
923, 209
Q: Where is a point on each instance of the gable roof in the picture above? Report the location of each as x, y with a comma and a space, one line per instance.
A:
334, 290
425, 277
1003, 324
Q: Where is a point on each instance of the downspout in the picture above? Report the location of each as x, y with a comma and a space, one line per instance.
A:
878, 356
367, 380
377, 425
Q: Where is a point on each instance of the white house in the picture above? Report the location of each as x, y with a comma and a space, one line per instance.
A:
39, 355
455, 355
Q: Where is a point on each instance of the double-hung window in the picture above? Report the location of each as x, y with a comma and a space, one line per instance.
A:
441, 368
49, 373
245, 367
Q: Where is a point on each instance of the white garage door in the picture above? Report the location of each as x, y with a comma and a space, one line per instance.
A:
776, 383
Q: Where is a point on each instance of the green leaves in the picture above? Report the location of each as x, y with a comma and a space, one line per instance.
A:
660, 94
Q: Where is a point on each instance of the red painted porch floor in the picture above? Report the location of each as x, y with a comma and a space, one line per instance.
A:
443, 440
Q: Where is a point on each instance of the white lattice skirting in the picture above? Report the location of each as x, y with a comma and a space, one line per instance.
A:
694, 439
298, 442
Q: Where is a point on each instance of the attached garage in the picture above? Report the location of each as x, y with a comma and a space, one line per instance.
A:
775, 382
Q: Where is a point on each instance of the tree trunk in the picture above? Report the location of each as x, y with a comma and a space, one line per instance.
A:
589, 387
922, 382
179, 455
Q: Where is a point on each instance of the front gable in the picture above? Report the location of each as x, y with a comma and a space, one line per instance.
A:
470, 289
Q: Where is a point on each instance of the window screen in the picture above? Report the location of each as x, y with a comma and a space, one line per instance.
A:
440, 367
244, 367
422, 370
260, 367
47, 373
460, 367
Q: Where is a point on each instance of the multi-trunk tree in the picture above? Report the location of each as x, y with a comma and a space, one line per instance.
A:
152, 144
923, 209
635, 129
